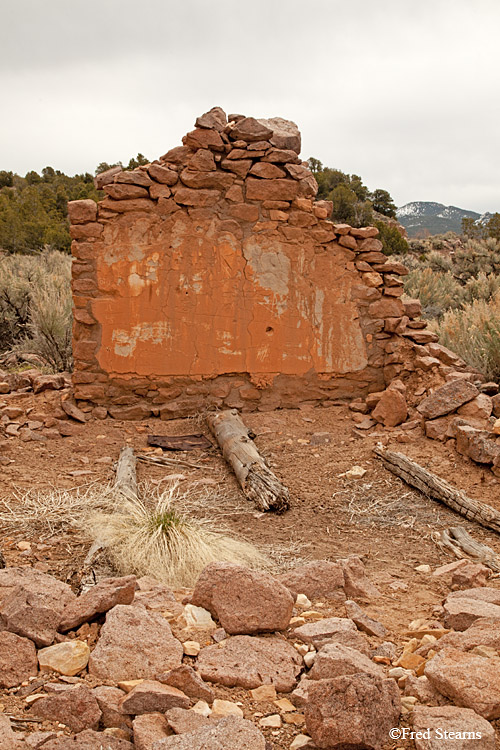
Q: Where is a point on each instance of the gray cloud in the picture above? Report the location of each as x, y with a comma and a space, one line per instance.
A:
402, 93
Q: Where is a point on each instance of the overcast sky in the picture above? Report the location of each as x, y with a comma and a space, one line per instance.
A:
401, 92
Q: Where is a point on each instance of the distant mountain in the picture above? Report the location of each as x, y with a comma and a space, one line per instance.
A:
426, 217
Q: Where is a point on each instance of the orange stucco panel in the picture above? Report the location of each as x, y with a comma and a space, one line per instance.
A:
177, 296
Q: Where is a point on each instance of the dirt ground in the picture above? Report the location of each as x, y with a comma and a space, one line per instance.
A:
331, 516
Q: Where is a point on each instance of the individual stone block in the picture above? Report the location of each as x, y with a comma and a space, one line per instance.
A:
98, 599
447, 398
451, 728
82, 212
76, 707
17, 659
316, 579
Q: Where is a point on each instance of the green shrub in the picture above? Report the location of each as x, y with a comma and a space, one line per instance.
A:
436, 291
392, 240
35, 306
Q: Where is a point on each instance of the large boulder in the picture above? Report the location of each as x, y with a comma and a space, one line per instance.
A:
451, 728
31, 603
248, 662
468, 680
244, 601
133, 644
230, 733
355, 711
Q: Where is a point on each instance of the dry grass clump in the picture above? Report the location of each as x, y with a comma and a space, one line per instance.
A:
474, 334
160, 537
436, 291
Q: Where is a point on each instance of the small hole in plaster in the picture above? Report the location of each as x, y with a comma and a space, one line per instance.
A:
269, 329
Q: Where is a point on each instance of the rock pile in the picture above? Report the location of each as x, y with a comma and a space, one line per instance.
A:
133, 686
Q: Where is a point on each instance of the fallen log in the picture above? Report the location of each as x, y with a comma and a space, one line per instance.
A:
126, 474
438, 489
459, 542
253, 474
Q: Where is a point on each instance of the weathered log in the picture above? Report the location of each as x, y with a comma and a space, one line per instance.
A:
253, 474
462, 545
126, 474
438, 489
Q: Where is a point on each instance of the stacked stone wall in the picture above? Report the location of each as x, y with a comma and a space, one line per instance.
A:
212, 277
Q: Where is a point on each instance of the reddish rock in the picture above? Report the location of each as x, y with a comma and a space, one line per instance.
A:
412, 307
421, 689
267, 171
119, 191
447, 398
198, 179
460, 613
72, 410
104, 178
48, 383
451, 728
479, 408
467, 680
437, 429
488, 594
335, 660
134, 177
356, 582
250, 130
204, 138
281, 156
229, 733
156, 596
148, 729
363, 621
88, 740
18, 660
386, 308
202, 161
272, 190
9, 740
181, 720
81, 212
134, 643
186, 679
470, 575
31, 603
214, 119
125, 205
332, 629
249, 662
243, 600
356, 711
192, 197
391, 409
76, 707
151, 697
483, 632
98, 599
316, 579
163, 175
109, 701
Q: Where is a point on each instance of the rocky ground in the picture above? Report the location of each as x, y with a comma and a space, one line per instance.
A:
335, 514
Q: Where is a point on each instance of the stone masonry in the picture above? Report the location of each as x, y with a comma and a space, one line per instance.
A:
212, 277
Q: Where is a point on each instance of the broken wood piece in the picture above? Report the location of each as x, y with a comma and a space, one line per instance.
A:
179, 442
253, 474
438, 489
462, 545
167, 461
126, 474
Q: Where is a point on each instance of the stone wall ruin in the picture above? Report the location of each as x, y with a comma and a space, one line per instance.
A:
212, 277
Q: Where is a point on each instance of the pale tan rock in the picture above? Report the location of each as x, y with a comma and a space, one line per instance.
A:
68, 657
273, 721
225, 708
191, 648
264, 693
198, 618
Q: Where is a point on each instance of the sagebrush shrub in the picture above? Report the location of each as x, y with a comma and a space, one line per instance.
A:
437, 291
35, 306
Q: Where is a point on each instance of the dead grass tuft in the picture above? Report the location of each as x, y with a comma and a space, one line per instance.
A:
161, 537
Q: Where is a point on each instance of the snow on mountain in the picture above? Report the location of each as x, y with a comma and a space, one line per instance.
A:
428, 217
